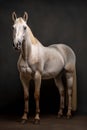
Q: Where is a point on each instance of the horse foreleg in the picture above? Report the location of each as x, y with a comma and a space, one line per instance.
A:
61, 92
37, 95
69, 78
25, 83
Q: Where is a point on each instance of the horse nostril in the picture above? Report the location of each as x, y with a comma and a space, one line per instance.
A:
19, 43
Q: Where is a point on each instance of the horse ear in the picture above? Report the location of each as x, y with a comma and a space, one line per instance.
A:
14, 16
25, 16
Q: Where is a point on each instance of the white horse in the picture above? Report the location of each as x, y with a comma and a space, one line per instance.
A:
39, 62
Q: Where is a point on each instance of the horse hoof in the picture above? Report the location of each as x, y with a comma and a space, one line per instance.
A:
36, 121
59, 116
23, 121
69, 116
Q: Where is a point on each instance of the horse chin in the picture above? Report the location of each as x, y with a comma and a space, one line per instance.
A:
18, 49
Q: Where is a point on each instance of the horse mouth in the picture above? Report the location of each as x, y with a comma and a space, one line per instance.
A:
19, 45
17, 48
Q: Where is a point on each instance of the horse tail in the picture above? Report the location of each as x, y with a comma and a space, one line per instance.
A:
74, 93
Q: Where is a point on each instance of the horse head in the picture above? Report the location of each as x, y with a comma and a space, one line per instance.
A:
19, 30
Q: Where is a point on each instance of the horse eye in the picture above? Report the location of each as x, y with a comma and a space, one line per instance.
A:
24, 27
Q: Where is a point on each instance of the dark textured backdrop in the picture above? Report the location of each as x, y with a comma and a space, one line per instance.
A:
51, 22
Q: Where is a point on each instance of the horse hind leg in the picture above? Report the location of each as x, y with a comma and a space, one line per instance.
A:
69, 80
60, 87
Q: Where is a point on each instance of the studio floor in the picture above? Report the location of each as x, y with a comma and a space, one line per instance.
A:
48, 122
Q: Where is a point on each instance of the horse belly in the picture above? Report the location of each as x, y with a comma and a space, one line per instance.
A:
52, 69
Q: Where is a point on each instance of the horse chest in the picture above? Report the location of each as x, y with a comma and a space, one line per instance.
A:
28, 67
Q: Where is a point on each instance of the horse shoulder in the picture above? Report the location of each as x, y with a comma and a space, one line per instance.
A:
36, 54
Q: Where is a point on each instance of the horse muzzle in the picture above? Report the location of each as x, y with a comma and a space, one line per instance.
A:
17, 46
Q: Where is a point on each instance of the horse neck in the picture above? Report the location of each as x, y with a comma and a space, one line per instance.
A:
27, 44
31, 40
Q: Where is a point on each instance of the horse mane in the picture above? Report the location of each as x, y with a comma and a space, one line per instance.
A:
33, 39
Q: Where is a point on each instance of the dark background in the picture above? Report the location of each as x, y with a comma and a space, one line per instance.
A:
51, 22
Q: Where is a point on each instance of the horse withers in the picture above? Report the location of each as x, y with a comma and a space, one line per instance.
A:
39, 62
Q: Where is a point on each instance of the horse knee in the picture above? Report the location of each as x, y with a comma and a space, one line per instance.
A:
70, 92
36, 95
26, 97
26, 94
